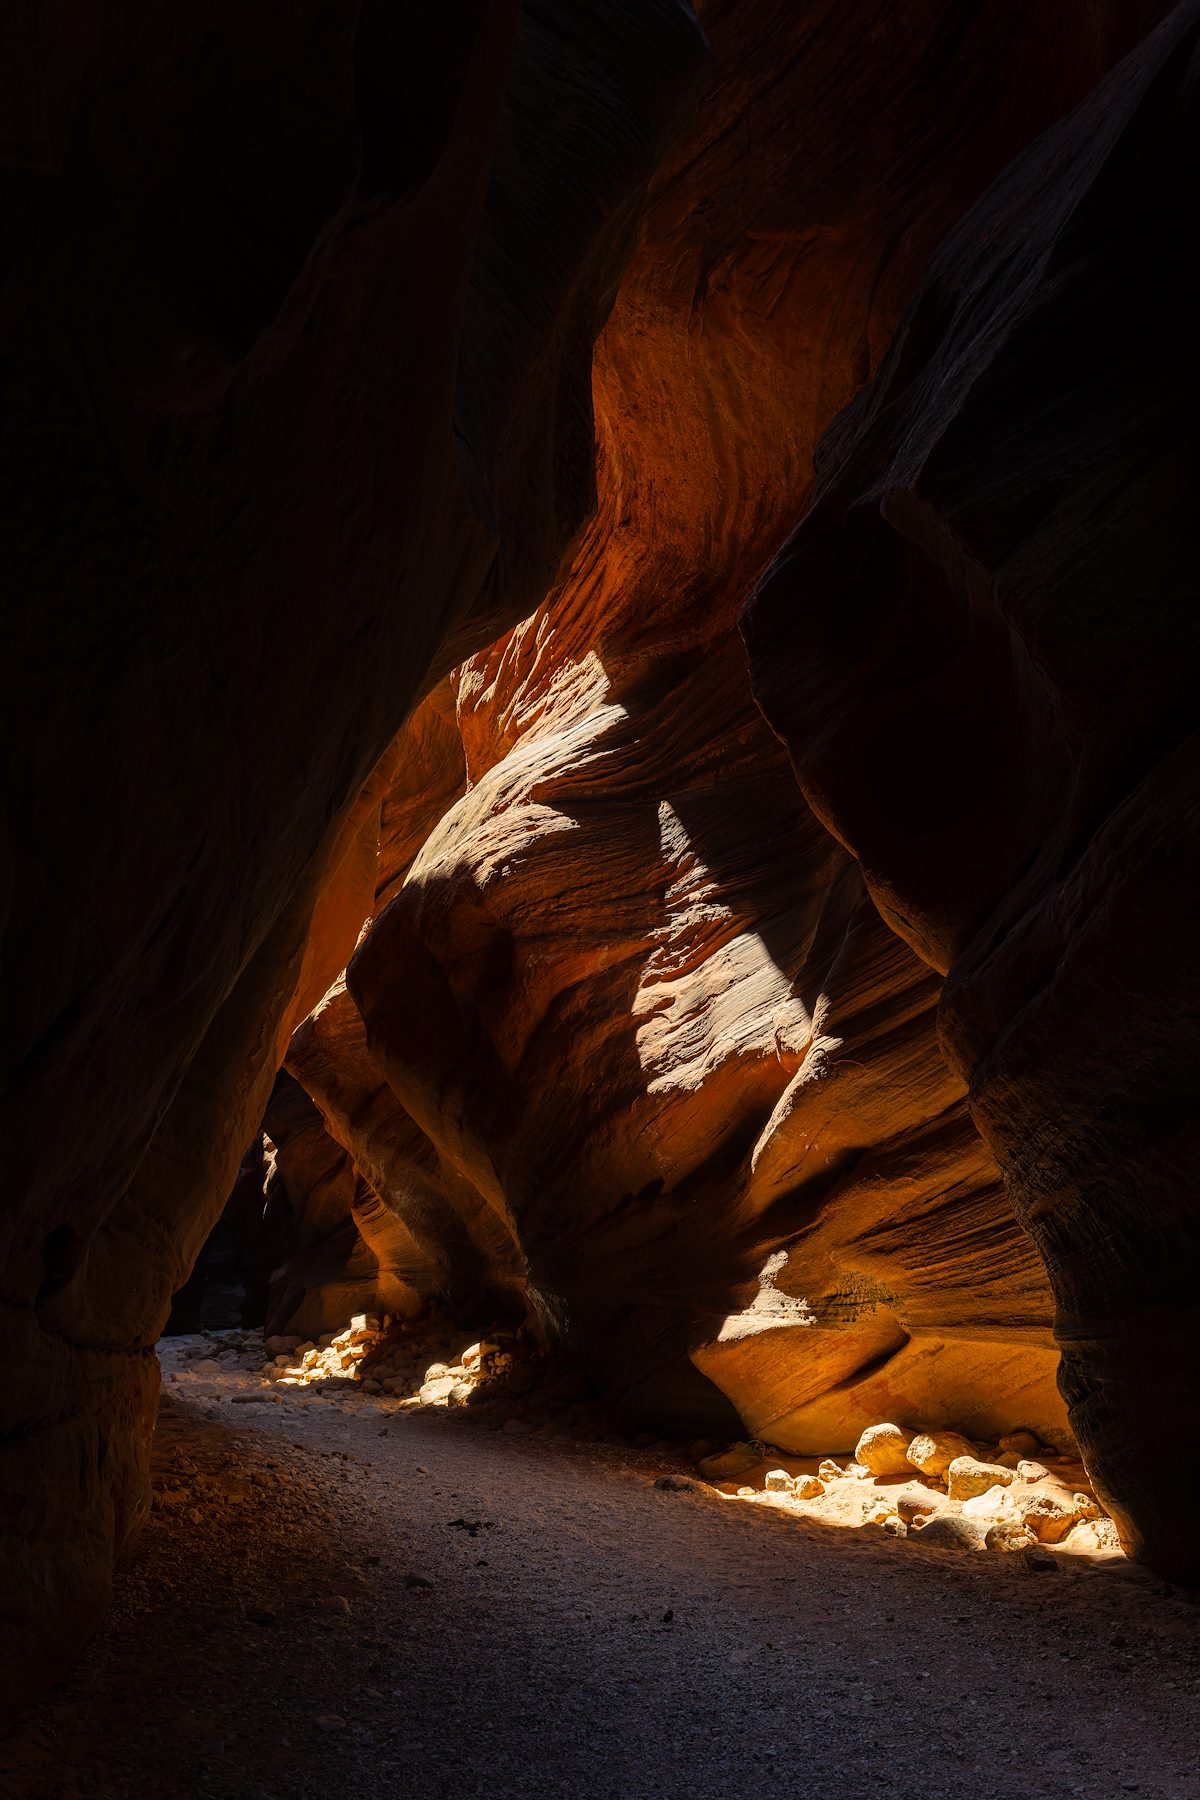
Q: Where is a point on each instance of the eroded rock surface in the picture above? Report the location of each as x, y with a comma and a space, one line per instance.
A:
297, 336
641, 1035
631, 1041
981, 649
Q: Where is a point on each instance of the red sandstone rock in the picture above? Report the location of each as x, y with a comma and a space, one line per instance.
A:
981, 650
632, 992
303, 419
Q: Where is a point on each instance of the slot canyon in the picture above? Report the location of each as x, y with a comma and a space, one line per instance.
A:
601, 1033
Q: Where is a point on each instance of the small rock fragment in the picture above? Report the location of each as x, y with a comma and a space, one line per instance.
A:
777, 1481
807, 1487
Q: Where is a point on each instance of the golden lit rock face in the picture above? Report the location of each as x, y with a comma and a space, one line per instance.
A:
633, 992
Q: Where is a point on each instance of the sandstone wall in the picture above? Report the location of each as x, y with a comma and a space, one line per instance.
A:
297, 329
632, 1021
981, 648
298, 336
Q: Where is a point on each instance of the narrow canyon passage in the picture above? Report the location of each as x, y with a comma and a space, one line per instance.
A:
354, 1601
600, 742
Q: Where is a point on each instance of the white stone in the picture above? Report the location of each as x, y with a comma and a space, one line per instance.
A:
967, 1477
434, 1391
988, 1505
777, 1481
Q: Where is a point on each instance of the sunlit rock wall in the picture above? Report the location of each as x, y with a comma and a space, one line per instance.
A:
670, 1071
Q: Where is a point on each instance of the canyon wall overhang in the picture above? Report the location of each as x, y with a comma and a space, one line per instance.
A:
297, 328
982, 650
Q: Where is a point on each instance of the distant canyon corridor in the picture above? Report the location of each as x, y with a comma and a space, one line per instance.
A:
600, 726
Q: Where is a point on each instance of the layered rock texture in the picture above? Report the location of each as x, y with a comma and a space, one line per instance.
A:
982, 649
632, 1044
345, 619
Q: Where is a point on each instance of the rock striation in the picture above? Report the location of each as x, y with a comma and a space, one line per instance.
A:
981, 650
396, 423
633, 1020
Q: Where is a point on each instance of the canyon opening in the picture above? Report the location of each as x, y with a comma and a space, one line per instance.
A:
599, 988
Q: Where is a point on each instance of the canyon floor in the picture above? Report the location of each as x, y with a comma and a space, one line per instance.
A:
334, 1600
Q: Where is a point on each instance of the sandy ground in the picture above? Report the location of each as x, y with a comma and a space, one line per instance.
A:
339, 1601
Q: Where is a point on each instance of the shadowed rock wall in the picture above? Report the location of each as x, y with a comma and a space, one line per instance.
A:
982, 649
297, 330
